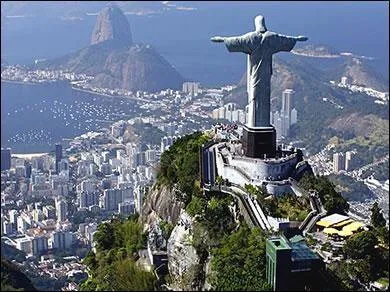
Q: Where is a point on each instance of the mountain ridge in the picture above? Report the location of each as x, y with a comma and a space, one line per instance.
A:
115, 61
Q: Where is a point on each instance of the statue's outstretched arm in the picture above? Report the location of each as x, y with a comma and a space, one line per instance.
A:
242, 43
218, 39
301, 38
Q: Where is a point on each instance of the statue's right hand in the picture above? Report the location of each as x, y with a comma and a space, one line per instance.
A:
217, 39
301, 38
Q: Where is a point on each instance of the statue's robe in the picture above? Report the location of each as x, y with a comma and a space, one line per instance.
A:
260, 47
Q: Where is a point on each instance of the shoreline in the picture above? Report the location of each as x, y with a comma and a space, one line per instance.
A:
110, 96
75, 88
20, 82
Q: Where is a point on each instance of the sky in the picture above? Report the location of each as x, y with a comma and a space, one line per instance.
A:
180, 31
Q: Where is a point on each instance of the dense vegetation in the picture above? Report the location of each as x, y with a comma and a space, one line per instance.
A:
12, 279
349, 188
367, 254
239, 262
286, 206
179, 166
113, 266
332, 200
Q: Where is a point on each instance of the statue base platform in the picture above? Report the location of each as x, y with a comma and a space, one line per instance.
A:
259, 142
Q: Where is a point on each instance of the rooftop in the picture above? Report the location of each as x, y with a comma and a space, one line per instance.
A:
300, 251
331, 220
279, 243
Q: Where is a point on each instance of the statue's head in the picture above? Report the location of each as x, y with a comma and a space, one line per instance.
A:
260, 24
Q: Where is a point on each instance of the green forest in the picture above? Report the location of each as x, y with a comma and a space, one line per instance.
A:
113, 266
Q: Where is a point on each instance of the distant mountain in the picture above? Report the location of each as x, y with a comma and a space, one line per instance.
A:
286, 74
111, 24
319, 51
115, 61
361, 73
12, 279
325, 111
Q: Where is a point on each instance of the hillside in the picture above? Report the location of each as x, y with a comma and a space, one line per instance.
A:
325, 111
115, 61
360, 72
12, 279
209, 246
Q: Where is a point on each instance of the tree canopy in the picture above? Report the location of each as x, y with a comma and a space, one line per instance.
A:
113, 267
333, 201
239, 263
377, 219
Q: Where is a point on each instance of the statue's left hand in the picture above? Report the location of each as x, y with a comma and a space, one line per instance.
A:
217, 39
301, 38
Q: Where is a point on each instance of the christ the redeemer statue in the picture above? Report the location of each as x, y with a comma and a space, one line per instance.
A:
260, 45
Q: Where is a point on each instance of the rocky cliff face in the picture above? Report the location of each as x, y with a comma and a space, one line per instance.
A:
161, 203
111, 24
115, 62
183, 260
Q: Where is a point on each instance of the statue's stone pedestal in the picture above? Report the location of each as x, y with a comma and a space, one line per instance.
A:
258, 142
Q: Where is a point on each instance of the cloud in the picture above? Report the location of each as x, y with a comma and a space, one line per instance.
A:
181, 8
186, 8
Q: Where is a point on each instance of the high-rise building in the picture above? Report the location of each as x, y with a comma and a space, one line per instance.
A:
28, 166
61, 209
222, 111
287, 102
285, 113
24, 244
215, 114
349, 159
290, 264
58, 156
20, 171
294, 116
39, 244
13, 216
150, 155
63, 164
5, 159
111, 199
49, 212
338, 162
88, 199
126, 208
191, 87
61, 240
344, 81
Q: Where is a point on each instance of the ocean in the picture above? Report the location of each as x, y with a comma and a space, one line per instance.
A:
36, 116
183, 37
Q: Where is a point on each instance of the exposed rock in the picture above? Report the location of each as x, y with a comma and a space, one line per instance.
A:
161, 203
139, 68
182, 257
111, 24
115, 62
207, 285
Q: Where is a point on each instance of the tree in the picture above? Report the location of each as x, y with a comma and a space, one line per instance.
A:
166, 229
360, 245
197, 206
377, 219
104, 236
239, 263
219, 181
